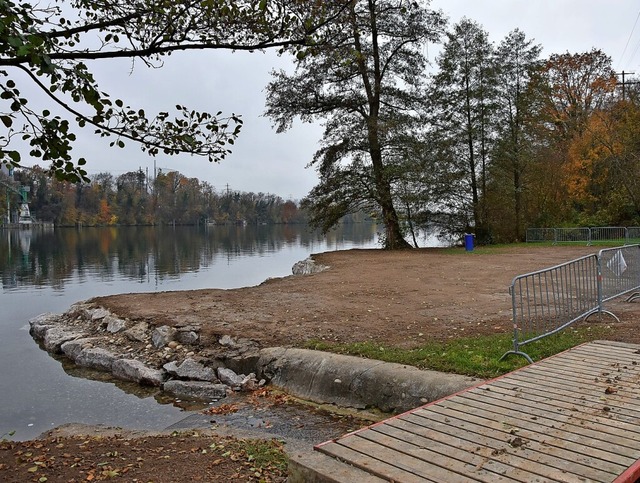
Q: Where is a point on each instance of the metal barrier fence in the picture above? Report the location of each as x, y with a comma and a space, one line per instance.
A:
541, 235
609, 233
564, 235
619, 270
549, 300
584, 234
633, 233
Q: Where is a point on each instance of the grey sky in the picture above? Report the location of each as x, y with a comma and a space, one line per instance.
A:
263, 161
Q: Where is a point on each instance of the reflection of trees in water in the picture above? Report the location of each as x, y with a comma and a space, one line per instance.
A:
42, 257
140, 391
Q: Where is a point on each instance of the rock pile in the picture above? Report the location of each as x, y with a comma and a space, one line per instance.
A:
307, 267
164, 356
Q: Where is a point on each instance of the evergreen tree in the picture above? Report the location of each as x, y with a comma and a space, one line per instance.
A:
517, 61
463, 98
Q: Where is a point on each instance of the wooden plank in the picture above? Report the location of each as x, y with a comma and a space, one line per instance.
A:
631, 475
585, 367
629, 375
493, 455
565, 445
535, 451
557, 381
596, 393
590, 415
585, 361
579, 361
587, 376
416, 466
550, 421
592, 373
536, 447
624, 406
459, 462
374, 466
612, 343
600, 352
604, 352
561, 425
602, 405
567, 419
602, 393
605, 410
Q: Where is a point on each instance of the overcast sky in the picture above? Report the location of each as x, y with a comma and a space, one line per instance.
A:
263, 161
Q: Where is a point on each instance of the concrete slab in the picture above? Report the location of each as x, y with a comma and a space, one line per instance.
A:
356, 382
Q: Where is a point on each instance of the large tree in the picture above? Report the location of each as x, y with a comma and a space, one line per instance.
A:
49, 45
575, 86
570, 90
517, 61
366, 84
463, 101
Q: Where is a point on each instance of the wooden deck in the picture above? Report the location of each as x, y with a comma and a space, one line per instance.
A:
574, 417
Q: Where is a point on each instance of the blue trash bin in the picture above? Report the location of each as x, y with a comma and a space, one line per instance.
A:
468, 242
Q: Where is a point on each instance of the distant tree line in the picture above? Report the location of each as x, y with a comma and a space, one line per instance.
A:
134, 199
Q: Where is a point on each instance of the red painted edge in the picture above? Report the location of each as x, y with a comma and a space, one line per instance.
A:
631, 475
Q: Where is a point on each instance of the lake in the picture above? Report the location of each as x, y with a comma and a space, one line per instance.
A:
47, 270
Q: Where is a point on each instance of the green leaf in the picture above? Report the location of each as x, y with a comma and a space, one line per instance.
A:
15, 41
6, 120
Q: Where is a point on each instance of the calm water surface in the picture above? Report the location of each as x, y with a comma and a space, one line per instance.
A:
49, 270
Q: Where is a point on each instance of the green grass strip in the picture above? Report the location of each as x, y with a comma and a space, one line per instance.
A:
473, 356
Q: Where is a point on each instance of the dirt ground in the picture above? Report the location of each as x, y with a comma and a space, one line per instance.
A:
398, 298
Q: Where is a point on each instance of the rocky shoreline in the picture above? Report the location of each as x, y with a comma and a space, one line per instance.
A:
179, 362
166, 357
171, 358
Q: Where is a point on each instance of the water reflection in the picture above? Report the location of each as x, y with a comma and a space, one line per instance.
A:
47, 270
40, 256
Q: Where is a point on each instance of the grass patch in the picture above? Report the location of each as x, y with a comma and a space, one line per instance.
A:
473, 356
262, 455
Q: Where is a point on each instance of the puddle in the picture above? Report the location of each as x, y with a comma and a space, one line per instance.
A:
268, 414
265, 413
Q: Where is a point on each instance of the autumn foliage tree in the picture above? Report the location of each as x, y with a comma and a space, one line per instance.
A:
578, 93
